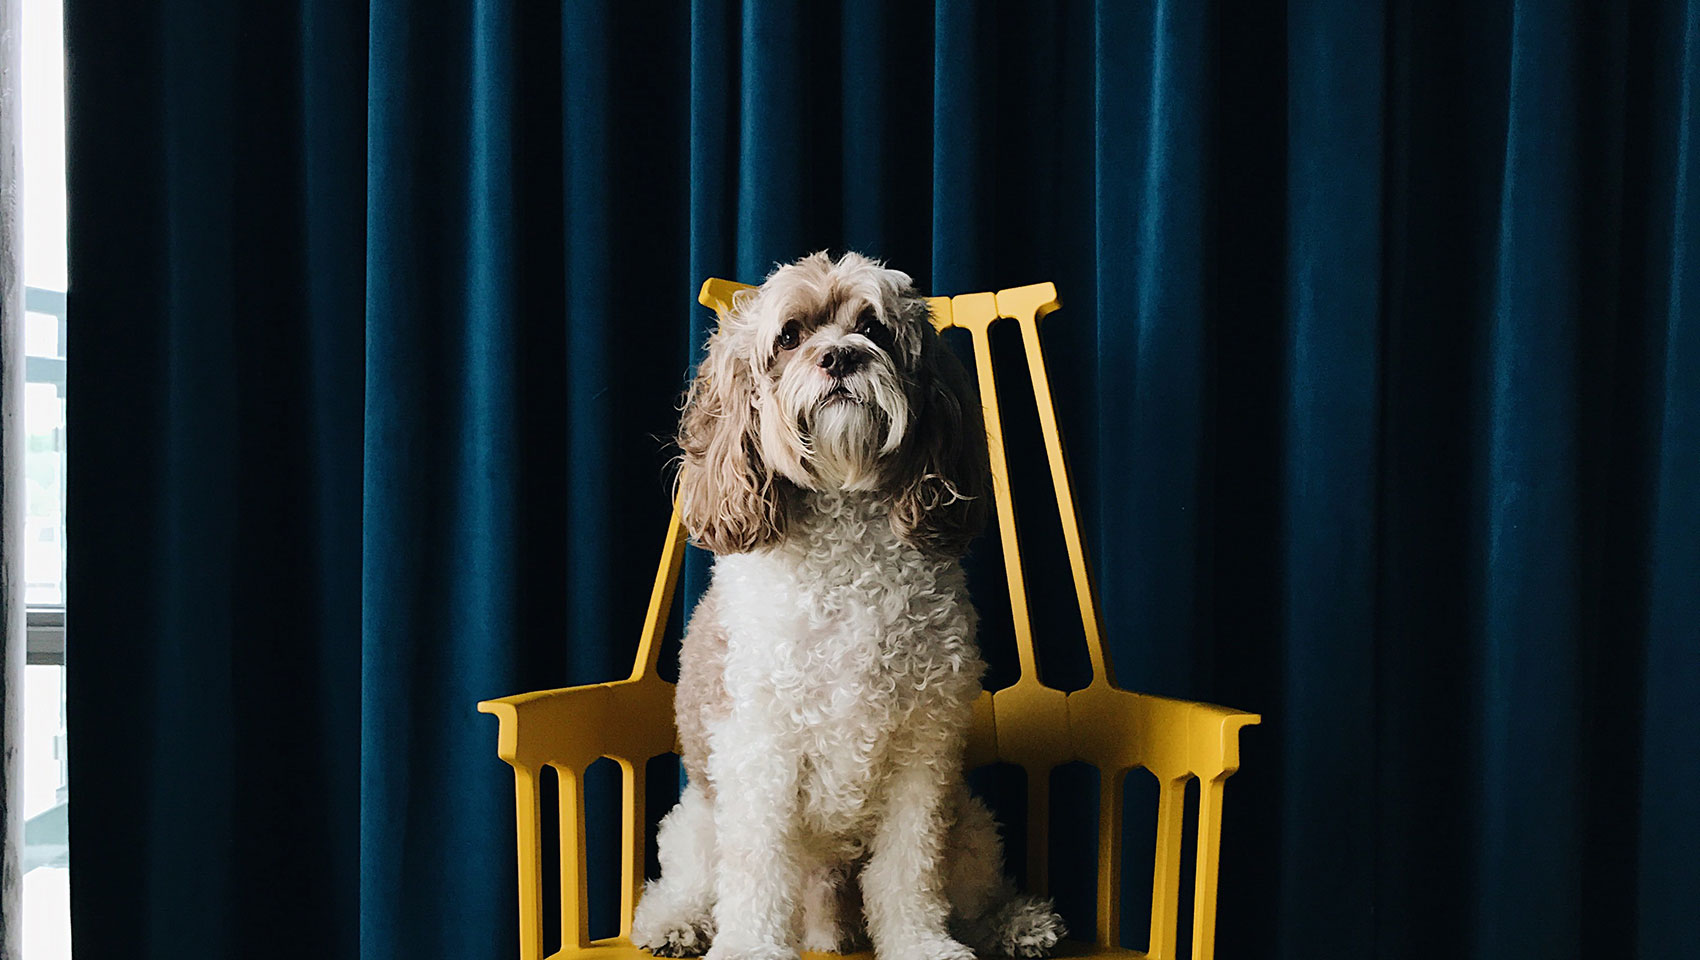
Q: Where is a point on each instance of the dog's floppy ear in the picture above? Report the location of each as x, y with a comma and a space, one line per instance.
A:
941, 475
728, 500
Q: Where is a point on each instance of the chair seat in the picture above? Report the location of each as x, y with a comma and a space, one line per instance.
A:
620, 948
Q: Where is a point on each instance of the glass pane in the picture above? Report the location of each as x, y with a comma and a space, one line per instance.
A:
43, 89
47, 884
44, 491
45, 787
41, 335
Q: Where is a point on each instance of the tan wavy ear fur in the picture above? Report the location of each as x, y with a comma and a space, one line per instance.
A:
728, 500
941, 476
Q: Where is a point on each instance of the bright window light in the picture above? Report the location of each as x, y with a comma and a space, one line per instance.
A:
46, 790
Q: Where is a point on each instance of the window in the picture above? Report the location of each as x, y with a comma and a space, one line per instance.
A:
46, 791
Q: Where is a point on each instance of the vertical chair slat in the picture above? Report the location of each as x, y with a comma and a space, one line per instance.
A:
661, 598
575, 895
975, 312
632, 842
529, 819
1027, 306
1110, 782
1166, 870
1209, 853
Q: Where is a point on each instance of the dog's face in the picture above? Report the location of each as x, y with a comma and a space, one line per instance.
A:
830, 378
832, 346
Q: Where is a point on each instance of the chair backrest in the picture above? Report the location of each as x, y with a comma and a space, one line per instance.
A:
1038, 727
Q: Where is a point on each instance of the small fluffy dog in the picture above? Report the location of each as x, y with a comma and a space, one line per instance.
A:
835, 461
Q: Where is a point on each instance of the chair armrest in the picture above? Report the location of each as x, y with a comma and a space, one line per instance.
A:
573, 726
1169, 737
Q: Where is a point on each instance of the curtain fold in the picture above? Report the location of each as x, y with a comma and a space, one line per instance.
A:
1377, 367
216, 167
1668, 831
1329, 437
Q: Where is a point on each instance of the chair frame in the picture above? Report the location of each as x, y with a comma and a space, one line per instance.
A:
1027, 724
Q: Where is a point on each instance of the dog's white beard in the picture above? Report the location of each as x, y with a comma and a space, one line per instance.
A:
840, 442
845, 439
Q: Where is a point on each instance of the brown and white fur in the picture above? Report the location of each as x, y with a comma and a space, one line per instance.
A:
835, 462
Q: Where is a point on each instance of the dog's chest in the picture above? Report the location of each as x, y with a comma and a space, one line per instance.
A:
850, 629
857, 645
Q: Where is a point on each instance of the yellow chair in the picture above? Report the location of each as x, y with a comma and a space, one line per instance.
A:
1026, 724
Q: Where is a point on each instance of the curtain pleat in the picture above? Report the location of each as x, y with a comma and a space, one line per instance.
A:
1376, 364
1330, 438
216, 184
1669, 833
1528, 866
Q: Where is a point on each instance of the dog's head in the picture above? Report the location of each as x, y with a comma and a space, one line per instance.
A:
830, 378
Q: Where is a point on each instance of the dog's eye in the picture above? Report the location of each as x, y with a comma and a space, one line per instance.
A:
869, 326
788, 336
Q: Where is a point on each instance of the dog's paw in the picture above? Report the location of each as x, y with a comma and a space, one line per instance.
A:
1028, 927
824, 940
678, 939
668, 932
674, 940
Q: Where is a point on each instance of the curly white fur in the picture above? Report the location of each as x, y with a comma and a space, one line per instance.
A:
828, 674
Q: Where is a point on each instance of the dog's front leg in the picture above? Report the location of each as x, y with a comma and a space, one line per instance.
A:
903, 882
755, 820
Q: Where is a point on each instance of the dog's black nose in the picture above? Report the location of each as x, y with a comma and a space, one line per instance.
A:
842, 361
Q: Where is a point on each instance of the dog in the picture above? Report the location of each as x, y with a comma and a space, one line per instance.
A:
834, 461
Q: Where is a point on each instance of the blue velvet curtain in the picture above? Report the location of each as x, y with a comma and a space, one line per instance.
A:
1379, 366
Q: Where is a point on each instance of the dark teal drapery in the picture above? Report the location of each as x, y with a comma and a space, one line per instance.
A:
1379, 366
